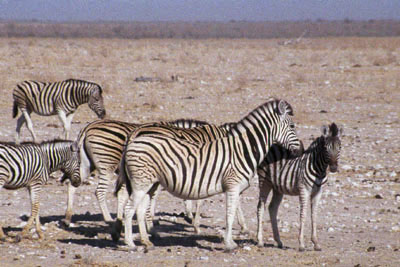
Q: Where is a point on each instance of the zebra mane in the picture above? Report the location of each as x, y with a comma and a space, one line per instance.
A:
189, 121
317, 143
83, 81
55, 141
272, 102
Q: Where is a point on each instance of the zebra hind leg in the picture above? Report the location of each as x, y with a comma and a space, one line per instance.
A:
141, 218
101, 192
34, 191
2, 235
273, 213
242, 222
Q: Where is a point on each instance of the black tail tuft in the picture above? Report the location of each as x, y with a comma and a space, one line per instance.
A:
15, 110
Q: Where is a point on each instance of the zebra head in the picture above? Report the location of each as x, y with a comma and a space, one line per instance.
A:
285, 134
332, 145
72, 166
96, 102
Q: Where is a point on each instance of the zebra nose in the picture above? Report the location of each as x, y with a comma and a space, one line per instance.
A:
333, 168
102, 114
296, 151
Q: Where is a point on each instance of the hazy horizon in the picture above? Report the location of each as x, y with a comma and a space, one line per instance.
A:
190, 10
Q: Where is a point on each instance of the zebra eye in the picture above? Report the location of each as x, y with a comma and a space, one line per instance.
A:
292, 126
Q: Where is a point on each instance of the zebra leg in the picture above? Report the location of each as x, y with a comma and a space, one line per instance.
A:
122, 200
20, 122
68, 125
314, 213
34, 192
304, 199
153, 193
273, 213
264, 192
101, 192
241, 220
232, 198
196, 219
188, 208
2, 235
63, 119
135, 199
29, 124
70, 203
141, 216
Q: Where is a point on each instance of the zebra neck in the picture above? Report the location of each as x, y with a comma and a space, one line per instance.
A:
56, 156
319, 162
251, 146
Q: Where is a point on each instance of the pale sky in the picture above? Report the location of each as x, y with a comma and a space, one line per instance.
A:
198, 10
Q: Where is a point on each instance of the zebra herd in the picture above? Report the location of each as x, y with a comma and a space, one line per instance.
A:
190, 159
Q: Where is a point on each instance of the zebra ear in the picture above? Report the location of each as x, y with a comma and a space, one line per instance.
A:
284, 108
325, 130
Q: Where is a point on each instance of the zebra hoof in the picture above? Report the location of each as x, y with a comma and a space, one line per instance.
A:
280, 245
65, 223
260, 244
3, 239
317, 248
302, 249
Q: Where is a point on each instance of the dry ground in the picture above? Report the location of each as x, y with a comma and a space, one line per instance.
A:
354, 82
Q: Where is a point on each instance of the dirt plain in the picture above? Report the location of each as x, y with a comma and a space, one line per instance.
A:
354, 82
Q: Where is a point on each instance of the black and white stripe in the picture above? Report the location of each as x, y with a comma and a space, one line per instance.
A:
195, 170
29, 165
301, 176
101, 144
55, 98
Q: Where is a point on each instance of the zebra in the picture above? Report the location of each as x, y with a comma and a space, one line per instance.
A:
160, 154
301, 176
29, 165
101, 144
51, 98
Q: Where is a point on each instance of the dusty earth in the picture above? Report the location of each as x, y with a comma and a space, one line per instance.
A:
354, 82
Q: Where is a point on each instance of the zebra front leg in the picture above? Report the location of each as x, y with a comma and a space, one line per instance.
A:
101, 192
304, 199
241, 220
273, 213
64, 120
264, 192
196, 219
67, 129
188, 208
34, 192
314, 213
232, 198
70, 204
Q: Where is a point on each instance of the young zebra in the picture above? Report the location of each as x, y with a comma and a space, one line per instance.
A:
62, 98
101, 144
29, 165
301, 176
193, 170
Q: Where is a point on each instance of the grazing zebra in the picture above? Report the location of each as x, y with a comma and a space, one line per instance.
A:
29, 165
101, 144
62, 98
193, 170
301, 176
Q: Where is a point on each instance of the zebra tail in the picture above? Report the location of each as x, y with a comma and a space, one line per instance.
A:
15, 110
122, 177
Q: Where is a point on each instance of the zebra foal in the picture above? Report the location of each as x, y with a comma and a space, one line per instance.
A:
301, 176
194, 170
51, 98
29, 165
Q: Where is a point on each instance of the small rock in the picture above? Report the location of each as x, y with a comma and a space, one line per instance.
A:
78, 256
203, 258
378, 196
330, 230
247, 248
371, 249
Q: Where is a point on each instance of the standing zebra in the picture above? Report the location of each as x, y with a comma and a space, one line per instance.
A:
62, 98
101, 144
301, 176
29, 165
192, 170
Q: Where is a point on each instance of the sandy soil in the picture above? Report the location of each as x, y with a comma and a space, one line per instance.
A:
354, 82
